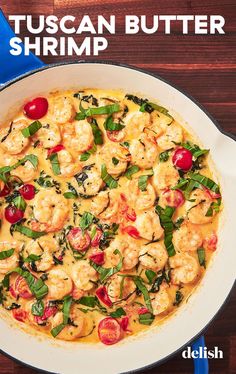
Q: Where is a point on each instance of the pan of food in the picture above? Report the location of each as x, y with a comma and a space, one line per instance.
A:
117, 196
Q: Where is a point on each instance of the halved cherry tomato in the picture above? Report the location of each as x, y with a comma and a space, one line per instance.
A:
36, 108
97, 237
109, 331
143, 310
131, 231
5, 191
124, 323
55, 149
27, 191
98, 258
19, 314
173, 198
13, 214
49, 311
210, 242
102, 294
183, 159
79, 240
128, 212
115, 136
131, 215
21, 288
12, 292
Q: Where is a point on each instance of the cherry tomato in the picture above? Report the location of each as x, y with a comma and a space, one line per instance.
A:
19, 314
182, 159
12, 292
13, 214
124, 323
131, 231
128, 212
5, 191
22, 288
97, 237
109, 331
27, 191
210, 242
49, 311
143, 310
36, 108
98, 258
79, 240
103, 296
55, 149
115, 136
173, 198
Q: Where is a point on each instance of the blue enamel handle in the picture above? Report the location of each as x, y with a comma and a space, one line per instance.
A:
13, 66
200, 364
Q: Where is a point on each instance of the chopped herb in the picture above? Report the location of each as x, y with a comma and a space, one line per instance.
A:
115, 161
55, 163
19, 203
107, 178
27, 231
178, 222
118, 313
142, 182
165, 216
108, 272
97, 133
31, 129
85, 156
37, 308
109, 125
130, 171
195, 149
47, 181
6, 254
32, 258
150, 274
107, 109
142, 288
201, 257
146, 318
178, 298
66, 312
125, 144
89, 301
86, 220
7, 169
164, 156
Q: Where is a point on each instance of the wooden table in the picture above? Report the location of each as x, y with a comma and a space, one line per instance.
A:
204, 66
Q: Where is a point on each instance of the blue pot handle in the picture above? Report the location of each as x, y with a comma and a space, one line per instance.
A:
13, 66
200, 364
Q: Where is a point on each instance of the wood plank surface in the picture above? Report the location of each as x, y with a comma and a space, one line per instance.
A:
203, 65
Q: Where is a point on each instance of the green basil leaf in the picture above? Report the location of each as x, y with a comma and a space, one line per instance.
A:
19, 203
55, 163
31, 129
107, 109
164, 156
85, 156
201, 257
207, 182
150, 274
31, 158
97, 133
6, 254
195, 149
182, 183
118, 313
131, 170
66, 309
37, 308
89, 301
142, 182
86, 220
56, 330
178, 298
32, 258
140, 285
28, 232
109, 125
70, 195
108, 272
146, 318
107, 178
165, 216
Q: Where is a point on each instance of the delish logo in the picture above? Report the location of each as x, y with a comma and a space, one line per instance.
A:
202, 352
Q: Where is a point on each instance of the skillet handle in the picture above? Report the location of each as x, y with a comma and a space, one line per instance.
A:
200, 364
13, 66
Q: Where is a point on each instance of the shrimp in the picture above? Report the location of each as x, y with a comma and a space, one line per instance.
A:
89, 181
160, 302
158, 124
148, 225
84, 275
61, 109
198, 206
75, 328
49, 135
121, 290
11, 262
45, 248
135, 123
59, 284
153, 256
143, 151
78, 136
105, 206
12, 139
50, 210
172, 135
68, 167
128, 249
165, 175
110, 151
184, 268
187, 238
141, 200
25, 172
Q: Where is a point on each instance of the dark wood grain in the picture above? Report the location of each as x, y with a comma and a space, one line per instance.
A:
203, 66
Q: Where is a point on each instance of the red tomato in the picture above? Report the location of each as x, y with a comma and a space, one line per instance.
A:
13, 214
212, 194
49, 311
210, 242
19, 314
131, 215
131, 231
12, 292
97, 258
182, 159
115, 136
97, 237
173, 198
143, 310
79, 240
55, 149
36, 108
124, 323
27, 191
109, 331
102, 294
5, 191
128, 212
22, 288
